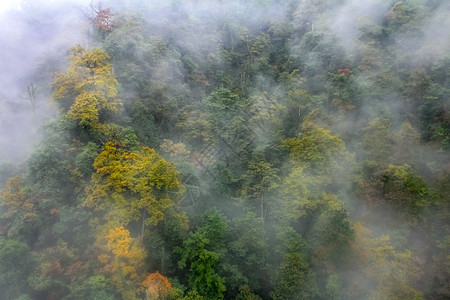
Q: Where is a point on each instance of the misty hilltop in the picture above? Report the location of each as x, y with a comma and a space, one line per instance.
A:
208, 149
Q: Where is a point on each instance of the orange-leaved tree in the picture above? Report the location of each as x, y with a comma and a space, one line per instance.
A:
158, 287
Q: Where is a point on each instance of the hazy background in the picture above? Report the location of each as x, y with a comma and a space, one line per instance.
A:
35, 37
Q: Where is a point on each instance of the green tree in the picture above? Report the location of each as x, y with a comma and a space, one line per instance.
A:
295, 279
334, 289
249, 253
145, 125
406, 191
302, 193
224, 100
160, 242
200, 257
344, 92
331, 235
315, 147
258, 181
417, 86
193, 295
84, 161
49, 164
377, 140
15, 265
56, 266
266, 122
93, 287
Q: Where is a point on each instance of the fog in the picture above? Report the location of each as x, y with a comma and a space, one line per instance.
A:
35, 38
359, 76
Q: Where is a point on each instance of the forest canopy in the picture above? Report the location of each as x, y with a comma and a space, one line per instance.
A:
211, 149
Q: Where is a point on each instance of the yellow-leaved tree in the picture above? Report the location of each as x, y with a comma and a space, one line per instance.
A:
384, 272
18, 210
127, 190
88, 89
141, 184
124, 260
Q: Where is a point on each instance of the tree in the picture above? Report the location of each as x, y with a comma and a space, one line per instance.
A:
417, 86
343, 94
203, 277
143, 183
406, 18
315, 147
300, 102
259, 180
333, 288
248, 253
224, 100
384, 271
246, 294
300, 194
377, 140
193, 295
175, 151
200, 257
295, 279
84, 161
408, 138
93, 287
331, 235
125, 260
88, 89
158, 287
15, 265
56, 266
104, 20
406, 191
144, 124
19, 210
266, 119
160, 242
316, 158
49, 164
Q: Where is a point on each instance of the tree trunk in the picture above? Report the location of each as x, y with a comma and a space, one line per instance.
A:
143, 224
262, 208
163, 254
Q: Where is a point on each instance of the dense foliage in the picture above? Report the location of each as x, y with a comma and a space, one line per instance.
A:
255, 149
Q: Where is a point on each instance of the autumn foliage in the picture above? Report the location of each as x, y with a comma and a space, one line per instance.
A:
104, 20
143, 183
344, 71
158, 287
126, 261
88, 89
210, 150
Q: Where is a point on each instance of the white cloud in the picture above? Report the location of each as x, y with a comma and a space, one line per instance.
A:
6, 5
